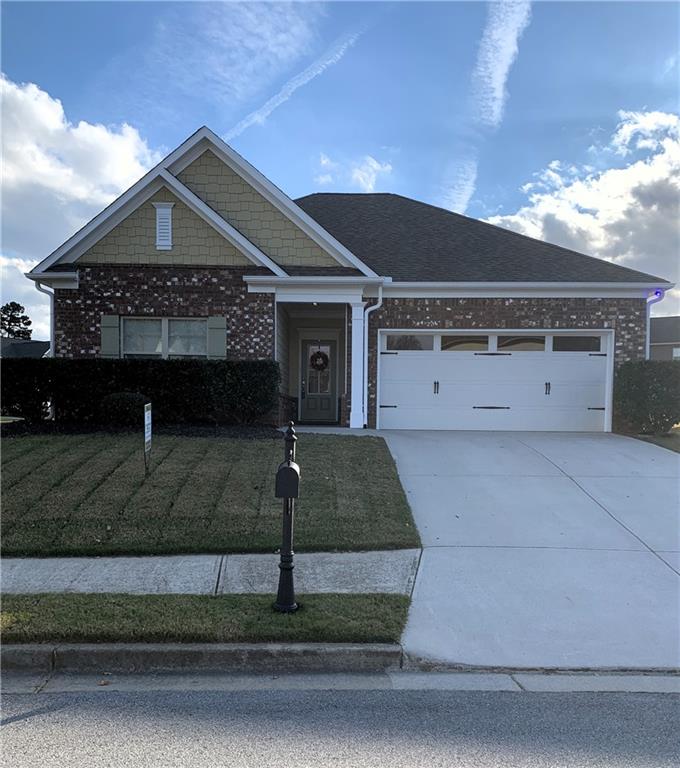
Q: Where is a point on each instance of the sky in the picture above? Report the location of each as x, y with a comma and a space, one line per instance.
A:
556, 119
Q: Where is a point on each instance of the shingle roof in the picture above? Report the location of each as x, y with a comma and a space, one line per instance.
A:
23, 347
413, 241
665, 330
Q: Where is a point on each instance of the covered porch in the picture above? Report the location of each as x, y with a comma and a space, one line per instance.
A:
320, 346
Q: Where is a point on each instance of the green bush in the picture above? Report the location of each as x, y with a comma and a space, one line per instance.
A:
123, 409
647, 396
181, 391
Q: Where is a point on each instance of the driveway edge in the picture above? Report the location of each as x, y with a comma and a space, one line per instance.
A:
252, 658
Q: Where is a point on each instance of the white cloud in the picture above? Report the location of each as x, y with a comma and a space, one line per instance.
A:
627, 215
498, 49
506, 21
220, 53
460, 187
56, 176
331, 57
365, 173
362, 173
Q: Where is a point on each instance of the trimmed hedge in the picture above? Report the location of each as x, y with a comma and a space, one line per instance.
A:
182, 391
647, 396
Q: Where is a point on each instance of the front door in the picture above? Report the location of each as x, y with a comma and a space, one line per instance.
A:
318, 381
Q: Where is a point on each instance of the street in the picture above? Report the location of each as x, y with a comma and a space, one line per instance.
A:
410, 728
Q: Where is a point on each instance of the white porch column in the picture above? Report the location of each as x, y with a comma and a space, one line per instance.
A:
356, 415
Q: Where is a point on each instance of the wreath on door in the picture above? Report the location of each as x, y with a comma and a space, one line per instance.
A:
319, 361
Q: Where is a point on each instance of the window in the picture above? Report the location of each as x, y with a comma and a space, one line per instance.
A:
404, 343
676, 353
163, 226
522, 343
142, 338
164, 337
469, 343
576, 343
187, 338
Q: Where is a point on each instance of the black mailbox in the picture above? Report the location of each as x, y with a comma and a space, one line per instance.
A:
287, 481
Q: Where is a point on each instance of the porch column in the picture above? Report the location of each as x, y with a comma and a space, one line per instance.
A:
356, 416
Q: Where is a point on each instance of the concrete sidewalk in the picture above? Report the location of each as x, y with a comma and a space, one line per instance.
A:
390, 572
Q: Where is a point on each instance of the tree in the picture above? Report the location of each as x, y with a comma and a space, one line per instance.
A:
14, 323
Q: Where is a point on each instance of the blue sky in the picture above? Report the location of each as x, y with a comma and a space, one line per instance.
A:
458, 104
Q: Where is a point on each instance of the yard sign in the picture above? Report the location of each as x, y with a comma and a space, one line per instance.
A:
147, 436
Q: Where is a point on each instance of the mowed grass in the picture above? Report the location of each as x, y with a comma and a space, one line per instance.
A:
88, 495
74, 618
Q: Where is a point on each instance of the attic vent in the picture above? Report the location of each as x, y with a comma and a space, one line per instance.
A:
163, 226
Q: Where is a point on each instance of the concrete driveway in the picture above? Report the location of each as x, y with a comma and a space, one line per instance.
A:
543, 549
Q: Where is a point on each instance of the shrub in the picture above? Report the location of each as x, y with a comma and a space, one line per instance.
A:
123, 409
181, 391
26, 388
647, 396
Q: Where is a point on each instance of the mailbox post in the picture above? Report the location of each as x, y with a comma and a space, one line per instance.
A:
287, 487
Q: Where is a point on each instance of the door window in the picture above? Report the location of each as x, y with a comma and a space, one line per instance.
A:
319, 369
568, 343
465, 343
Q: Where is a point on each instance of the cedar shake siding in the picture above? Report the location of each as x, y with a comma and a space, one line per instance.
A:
194, 242
626, 316
256, 218
175, 291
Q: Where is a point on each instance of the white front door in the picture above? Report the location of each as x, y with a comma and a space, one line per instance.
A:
493, 381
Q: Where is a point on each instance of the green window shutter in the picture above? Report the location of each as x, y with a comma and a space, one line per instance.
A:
217, 338
110, 338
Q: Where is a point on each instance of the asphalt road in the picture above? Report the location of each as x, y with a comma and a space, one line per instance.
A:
356, 728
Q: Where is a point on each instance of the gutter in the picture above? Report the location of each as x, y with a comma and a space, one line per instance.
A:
40, 287
367, 312
655, 298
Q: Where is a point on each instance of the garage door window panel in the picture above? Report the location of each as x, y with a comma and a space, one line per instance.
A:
410, 342
465, 343
571, 343
521, 343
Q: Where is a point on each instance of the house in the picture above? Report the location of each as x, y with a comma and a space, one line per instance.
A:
23, 348
382, 311
664, 338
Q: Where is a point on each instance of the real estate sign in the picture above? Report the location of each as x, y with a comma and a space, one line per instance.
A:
147, 435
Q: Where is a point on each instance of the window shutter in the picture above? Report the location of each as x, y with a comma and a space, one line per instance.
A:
110, 336
217, 338
163, 226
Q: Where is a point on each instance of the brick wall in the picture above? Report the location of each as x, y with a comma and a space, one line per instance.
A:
626, 316
164, 292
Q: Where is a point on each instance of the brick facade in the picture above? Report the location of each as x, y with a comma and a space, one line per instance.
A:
174, 291
626, 316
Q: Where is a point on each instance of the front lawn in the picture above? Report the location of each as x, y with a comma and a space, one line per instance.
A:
87, 495
112, 618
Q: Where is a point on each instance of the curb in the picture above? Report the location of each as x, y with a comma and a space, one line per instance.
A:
251, 658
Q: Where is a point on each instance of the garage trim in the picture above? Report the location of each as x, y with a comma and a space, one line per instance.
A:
608, 347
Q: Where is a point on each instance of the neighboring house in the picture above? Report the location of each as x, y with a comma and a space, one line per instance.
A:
664, 338
23, 348
381, 311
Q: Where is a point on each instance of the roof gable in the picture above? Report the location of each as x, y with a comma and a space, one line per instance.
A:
164, 173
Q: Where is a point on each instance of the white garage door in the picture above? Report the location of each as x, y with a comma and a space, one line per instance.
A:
481, 380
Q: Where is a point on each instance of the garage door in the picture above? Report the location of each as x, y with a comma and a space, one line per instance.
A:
479, 380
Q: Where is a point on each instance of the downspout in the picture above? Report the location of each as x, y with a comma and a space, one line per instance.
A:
367, 312
49, 293
656, 297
